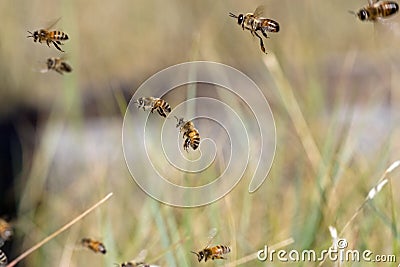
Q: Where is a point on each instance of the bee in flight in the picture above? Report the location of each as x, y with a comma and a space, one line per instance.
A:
254, 22
6, 231
192, 134
93, 245
377, 9
57, 64
215, 252
154, 103
3, 259
138, 261
50, 37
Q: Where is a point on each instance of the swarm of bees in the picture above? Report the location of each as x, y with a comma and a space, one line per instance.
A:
214, 252
376, 10
138, 261
254, 22
192, 134
94, 245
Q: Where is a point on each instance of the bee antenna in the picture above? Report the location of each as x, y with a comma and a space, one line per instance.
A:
232, 15
29, 35
352, 12
197, 254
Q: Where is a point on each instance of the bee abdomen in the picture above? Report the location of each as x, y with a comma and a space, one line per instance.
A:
65, 67
271, 25
389, 8
224, 249
59, 35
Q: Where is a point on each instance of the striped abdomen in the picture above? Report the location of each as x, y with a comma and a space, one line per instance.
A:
58, 35
3, 259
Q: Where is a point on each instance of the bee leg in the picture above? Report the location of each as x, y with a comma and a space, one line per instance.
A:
59, 71
264, 34
161, 112
58, 48
261, 42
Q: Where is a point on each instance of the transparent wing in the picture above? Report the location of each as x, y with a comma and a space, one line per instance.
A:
387, 32
259, 11
53, 23
141, 256
213, 232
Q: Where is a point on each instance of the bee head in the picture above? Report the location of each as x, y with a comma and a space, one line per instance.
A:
363, 14
139, 102
180, 121
199, 255
34, 35
239, 18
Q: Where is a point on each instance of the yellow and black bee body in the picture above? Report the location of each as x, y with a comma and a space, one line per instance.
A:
216, 252
57, 64
94, 245
6, 231
3, 259
154, 103
377, 10
254, 22
190, 133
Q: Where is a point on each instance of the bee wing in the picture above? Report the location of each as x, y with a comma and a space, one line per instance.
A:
259, 11
53, 23
211, 235
141, 256
372, 1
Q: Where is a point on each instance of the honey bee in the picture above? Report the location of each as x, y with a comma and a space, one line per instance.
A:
3, 259
215, 252
6, 231
377, 9
159, 104
138, 261
254, 22
94, 245
50, 37
57, 64
192, 134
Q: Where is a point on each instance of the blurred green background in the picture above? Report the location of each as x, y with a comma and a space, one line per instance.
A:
337, 73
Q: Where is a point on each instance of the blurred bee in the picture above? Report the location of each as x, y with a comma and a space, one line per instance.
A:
215, 252
6, 231
254, 22
50, 37
377, 9
94, 245
138, 261
192, 134
57, 64
3, 259
159, 104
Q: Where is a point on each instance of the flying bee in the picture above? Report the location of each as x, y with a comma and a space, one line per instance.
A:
215, 252
154, 103
93, 245
3, 259
50, 37
57, 64
192, 134
138, 261
6, 231
254, 22
376, 10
